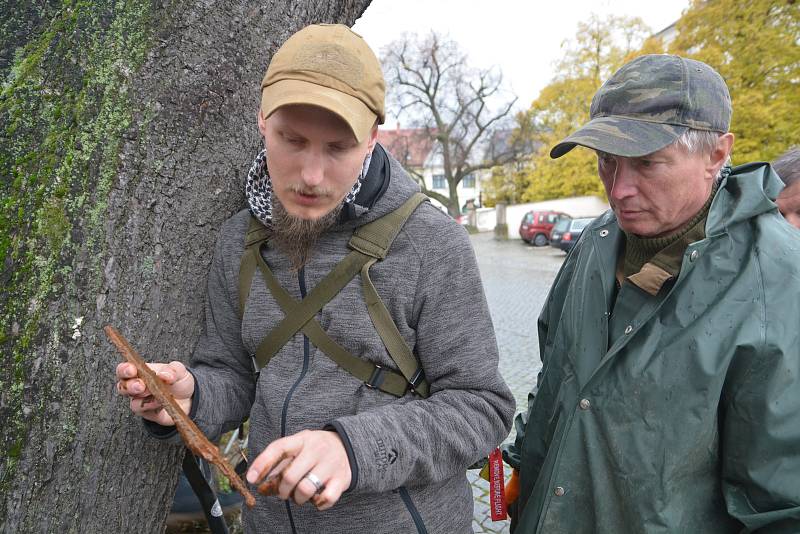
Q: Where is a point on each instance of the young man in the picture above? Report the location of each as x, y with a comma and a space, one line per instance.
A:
381, 450
669, 398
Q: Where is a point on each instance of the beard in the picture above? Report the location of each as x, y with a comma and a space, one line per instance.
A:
296, 237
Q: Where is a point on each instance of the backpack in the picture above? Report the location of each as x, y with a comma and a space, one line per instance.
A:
370, 243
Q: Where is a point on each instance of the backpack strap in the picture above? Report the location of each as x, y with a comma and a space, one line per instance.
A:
200, 484
298, 314
372, 375
256, 234
395, 344
370, 243
375, 239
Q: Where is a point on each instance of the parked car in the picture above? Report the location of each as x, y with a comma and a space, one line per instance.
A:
536, 226
566, 233
558, 230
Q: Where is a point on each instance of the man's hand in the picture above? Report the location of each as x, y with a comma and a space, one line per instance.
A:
317, 452
174, 374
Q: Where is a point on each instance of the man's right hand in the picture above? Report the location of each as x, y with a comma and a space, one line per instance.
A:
174, 374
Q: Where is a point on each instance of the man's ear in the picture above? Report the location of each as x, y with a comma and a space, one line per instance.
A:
719, 155
262, 123
373, 137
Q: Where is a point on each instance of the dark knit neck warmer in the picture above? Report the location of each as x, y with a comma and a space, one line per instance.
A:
640, 250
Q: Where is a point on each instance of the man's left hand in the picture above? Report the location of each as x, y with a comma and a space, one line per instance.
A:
316, 452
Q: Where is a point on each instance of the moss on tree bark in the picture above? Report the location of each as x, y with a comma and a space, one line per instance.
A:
128, 128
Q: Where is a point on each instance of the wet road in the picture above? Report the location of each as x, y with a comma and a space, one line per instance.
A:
516, 279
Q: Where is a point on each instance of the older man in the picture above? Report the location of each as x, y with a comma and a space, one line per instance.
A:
669, 398
361, 305
788, 168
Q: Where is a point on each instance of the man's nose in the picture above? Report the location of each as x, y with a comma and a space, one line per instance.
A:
624, 184
313, 169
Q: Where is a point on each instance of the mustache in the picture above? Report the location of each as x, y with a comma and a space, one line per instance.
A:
623, 207
310, 191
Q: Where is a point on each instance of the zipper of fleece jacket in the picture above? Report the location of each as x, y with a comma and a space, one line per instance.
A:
301, 278
406, 497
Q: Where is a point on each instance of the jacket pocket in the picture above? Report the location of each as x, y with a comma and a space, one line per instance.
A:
413, 511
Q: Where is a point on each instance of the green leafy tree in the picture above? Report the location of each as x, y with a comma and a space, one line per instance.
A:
505, 184
599, 48
754, 46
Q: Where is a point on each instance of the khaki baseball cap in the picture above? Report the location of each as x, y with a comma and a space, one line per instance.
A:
329, 66
650, 102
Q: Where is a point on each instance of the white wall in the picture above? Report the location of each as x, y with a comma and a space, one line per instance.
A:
575, 207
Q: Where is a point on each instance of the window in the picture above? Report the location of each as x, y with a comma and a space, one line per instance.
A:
579, 224
468, 181
439, 182
562, 225
549, 217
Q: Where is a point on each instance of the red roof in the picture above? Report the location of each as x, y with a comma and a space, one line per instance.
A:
409, 146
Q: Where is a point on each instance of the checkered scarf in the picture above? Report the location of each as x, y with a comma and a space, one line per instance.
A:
258, 189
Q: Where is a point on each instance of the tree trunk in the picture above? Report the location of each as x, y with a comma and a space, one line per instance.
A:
128, 130
453, 206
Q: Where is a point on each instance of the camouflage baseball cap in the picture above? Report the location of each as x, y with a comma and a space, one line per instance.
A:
650, 102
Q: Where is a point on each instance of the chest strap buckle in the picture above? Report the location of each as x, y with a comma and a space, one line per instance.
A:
376, 379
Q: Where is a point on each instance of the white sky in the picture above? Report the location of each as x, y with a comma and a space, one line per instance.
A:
522, 37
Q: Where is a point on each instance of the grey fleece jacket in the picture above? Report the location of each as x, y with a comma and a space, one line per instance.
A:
409, 455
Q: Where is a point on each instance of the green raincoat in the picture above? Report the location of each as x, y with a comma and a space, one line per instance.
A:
685, 419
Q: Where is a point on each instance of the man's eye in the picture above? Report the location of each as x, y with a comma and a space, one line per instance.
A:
338, 148
605, 159
292, 140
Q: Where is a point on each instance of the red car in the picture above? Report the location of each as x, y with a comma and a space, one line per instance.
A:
536, 226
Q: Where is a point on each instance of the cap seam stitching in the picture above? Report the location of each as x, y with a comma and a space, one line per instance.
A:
653, 122
685, 83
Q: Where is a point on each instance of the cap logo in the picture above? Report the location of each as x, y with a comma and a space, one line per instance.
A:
332, 60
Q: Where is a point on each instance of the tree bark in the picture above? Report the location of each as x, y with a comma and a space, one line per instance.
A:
128, 130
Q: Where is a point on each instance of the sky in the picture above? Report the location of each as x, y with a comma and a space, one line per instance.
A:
522, 37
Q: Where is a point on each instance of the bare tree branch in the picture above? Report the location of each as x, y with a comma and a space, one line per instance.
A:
464, 112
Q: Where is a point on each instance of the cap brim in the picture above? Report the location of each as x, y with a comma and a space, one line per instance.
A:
291, 92
620, 136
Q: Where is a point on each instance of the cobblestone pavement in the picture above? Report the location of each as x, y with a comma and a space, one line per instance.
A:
516, 279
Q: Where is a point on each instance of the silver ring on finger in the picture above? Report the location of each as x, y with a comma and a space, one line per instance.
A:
314, 479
